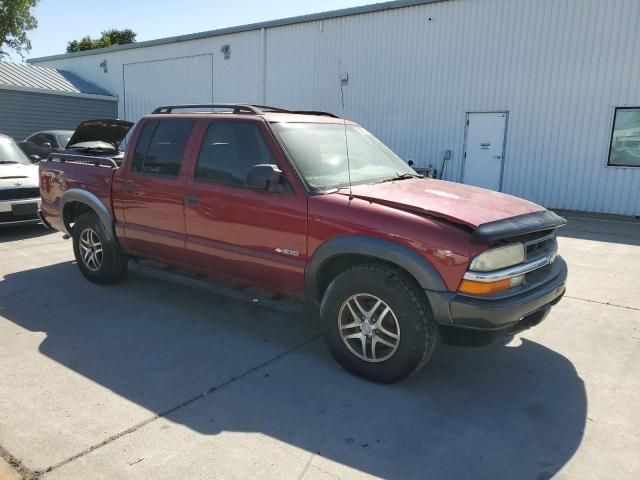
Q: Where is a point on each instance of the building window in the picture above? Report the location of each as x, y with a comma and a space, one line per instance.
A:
625, 139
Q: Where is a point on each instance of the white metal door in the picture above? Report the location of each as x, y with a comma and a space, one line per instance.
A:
484, 149
148, 85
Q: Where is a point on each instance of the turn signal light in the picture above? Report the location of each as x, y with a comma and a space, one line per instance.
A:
484, 288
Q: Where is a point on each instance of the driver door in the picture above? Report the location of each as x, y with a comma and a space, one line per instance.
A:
248, 236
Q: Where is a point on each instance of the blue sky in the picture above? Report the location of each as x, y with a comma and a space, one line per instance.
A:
63, 20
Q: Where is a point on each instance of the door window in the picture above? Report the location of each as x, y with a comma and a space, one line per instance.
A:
40, 139
161, 147
229, 150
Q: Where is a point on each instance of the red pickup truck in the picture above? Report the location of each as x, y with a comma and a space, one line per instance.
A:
309, 205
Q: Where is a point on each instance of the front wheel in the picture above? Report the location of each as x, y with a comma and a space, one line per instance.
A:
99, 257
377, 323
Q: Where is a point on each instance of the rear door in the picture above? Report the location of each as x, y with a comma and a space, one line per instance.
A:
254, 237
150, 190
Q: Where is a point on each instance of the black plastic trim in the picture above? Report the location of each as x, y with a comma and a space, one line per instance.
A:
424, 273
488, 314
236, 107
520, 225
43, 220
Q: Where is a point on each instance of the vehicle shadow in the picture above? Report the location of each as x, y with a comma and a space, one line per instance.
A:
499, 412
10, 234
601, 228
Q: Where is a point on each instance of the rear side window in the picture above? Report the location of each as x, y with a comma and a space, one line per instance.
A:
40, 139
229, 150
161, 147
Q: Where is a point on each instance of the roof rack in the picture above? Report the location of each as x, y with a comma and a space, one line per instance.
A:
236, 107
314, 112
269, 108
240, 108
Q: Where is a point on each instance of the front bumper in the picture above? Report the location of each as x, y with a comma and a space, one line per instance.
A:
466, 319
9, 218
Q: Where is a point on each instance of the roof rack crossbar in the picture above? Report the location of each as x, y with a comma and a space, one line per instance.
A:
236, 107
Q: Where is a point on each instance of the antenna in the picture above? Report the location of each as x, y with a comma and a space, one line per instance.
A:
344, 80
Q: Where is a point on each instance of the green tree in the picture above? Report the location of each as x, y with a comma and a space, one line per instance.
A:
15, 21
108, 38
119, 37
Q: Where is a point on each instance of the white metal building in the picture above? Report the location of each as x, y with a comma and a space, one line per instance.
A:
523, 93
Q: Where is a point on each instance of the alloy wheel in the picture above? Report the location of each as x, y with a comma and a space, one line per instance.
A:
368, 327
90, 249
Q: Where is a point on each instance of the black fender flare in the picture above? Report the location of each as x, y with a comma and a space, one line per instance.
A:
385, 250
90, 200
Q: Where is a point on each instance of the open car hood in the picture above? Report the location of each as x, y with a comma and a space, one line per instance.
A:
108, 131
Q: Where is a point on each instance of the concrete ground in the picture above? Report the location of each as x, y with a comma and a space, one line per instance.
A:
159, 377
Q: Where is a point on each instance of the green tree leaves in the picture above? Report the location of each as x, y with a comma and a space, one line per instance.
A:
15, 21
109, 38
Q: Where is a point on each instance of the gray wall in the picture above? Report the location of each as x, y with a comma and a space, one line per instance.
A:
23, 113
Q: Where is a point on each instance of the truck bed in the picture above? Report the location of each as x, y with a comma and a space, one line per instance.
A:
62, 172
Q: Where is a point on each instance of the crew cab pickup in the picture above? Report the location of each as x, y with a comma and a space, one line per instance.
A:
309, 205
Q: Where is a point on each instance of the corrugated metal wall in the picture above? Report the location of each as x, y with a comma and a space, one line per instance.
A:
23, 113
558, 67
175, 87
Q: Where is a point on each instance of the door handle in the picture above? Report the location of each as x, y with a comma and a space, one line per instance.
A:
497, 156
192, 199
128, 187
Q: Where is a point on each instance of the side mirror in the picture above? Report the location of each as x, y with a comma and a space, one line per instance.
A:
34, 158
46, 145
263, 177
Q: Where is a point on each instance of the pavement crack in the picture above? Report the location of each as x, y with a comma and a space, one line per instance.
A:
171, 410
17, 466
635, 309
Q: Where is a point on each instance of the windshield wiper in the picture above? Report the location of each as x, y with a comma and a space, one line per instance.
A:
8, 161
325, 190
402, 176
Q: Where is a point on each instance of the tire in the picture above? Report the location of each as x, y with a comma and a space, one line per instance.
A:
109, 262
409, 318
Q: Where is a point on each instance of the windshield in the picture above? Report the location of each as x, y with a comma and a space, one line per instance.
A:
93, 145
11, 153
63, 139
319, 151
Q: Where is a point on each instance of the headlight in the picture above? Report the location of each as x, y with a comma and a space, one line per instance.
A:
498, 258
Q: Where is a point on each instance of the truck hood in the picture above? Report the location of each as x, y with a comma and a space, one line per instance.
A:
108, 131
14, 175
458, 203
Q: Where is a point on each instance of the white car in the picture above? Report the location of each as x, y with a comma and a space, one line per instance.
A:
19, 190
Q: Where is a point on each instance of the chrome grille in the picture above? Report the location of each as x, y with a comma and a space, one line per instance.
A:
541, 246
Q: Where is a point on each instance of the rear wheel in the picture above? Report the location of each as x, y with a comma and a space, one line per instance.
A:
377, 323
99, 257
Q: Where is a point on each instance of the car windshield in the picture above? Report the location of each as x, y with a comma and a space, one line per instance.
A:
63, 139
11, 153
93, 145
319, 151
